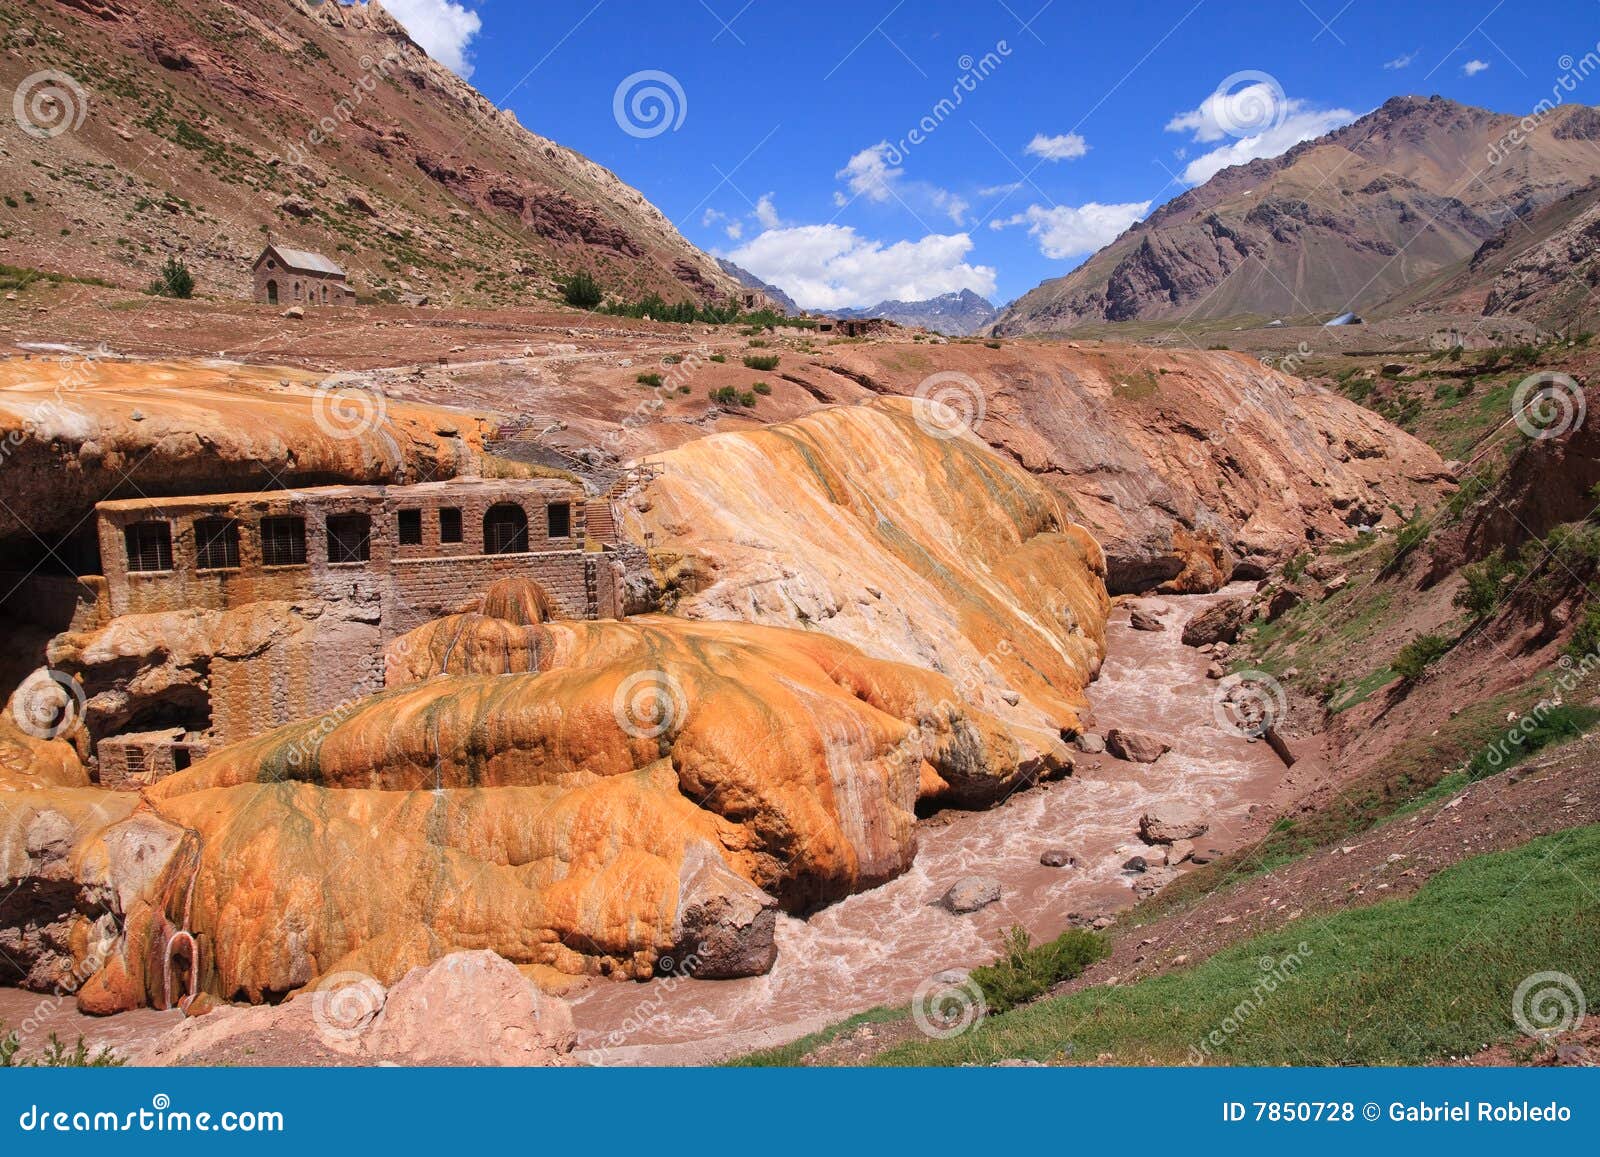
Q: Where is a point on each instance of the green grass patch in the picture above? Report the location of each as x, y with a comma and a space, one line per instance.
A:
1400, 982
795, 1051
1026, 970
762, 362
648, 379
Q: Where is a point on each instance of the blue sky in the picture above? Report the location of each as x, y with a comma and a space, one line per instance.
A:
809, 141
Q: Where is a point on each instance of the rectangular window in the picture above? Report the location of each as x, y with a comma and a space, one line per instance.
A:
410, 527
349, 538
283, 541
559, 515
450, 524
149, 546
216, 543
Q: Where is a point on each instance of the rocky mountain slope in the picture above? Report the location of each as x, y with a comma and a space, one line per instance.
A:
955, 314
1541, 267
193, 129
1343, 221
750, 281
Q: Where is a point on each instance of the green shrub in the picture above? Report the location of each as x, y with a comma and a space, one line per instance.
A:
723, 396
56, 1055
1296, 566
719, 357
747, 399
1420, 654
1025, 970
175, 281
762, 388
1484, 581
994, 345
582, 290
648, 379
1586, 639
763, 362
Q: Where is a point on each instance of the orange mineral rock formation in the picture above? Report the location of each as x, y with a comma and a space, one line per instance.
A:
875, 525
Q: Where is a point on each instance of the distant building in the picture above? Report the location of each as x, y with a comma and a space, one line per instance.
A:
286, 276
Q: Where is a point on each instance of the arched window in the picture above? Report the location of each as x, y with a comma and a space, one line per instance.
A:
272, 293
505, 529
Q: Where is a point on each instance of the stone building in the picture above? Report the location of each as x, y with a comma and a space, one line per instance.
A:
320, 580
284, 276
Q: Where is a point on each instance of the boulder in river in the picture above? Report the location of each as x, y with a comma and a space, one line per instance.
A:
1090, 742
1216, 624
1171, 823
970, 894
1140, 621
1135, 746
1058, 858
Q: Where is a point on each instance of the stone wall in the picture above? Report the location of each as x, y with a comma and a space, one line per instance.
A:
324, 623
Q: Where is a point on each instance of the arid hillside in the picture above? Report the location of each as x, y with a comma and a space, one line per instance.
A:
1343, 221
193, 130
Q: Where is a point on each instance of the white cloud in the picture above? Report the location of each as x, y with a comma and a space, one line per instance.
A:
871, 175
832, 266
999, 190
1065, 147
868, 174
767, 212
710, 217
735, 230
1473, 67
1256, 121
1072, 231
1402, 61
442, 27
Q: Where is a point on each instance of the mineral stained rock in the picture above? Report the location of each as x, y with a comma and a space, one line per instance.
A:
855, 522
602, 797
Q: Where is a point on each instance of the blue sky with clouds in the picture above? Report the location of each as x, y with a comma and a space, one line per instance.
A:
855, 151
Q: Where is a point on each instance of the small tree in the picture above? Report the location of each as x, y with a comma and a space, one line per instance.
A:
582, 290
175, 280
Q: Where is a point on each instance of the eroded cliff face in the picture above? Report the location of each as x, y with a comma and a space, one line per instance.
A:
78, 430
1183, 464
859, 523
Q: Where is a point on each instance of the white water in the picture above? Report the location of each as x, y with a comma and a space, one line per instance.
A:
877, 947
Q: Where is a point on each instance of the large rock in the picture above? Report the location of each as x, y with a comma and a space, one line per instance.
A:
471, 1008
155, 429
1172, 823
1135, 746
1219, 623
466, 1008
1143, 621
970, 894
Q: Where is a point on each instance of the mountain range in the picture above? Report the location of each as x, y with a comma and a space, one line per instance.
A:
1351, 219
954, 314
